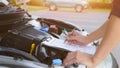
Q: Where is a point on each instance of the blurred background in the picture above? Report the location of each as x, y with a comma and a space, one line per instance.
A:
34, 5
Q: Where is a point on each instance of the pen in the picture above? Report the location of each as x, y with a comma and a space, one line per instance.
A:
72, 32
66, 33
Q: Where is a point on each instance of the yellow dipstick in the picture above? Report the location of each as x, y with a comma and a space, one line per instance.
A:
32, 48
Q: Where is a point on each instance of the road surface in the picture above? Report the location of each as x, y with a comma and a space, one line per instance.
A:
87, 20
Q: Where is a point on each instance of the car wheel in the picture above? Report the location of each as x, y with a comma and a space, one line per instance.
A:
52, 7
78, 8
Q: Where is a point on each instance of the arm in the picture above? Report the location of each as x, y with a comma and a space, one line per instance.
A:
76, 38
98, 33
110, 40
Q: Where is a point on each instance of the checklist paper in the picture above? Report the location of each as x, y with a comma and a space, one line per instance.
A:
59, 43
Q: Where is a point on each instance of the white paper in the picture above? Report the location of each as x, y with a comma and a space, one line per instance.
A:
58, 43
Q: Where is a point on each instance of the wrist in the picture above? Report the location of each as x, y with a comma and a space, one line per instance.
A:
92, 63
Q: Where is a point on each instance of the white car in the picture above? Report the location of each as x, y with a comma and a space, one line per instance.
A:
79, 5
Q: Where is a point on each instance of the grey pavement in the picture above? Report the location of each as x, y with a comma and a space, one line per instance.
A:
87, 20
90, 21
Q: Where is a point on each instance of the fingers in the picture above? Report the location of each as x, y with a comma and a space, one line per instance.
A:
69, 62
71, 40
79, 58
69, 59
79, 40
76, 57
70, 34
73, 33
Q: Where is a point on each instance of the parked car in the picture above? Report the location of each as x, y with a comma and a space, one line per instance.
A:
78, 5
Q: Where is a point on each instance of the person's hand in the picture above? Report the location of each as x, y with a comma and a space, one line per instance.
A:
73, 33
75, 38
80, 58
